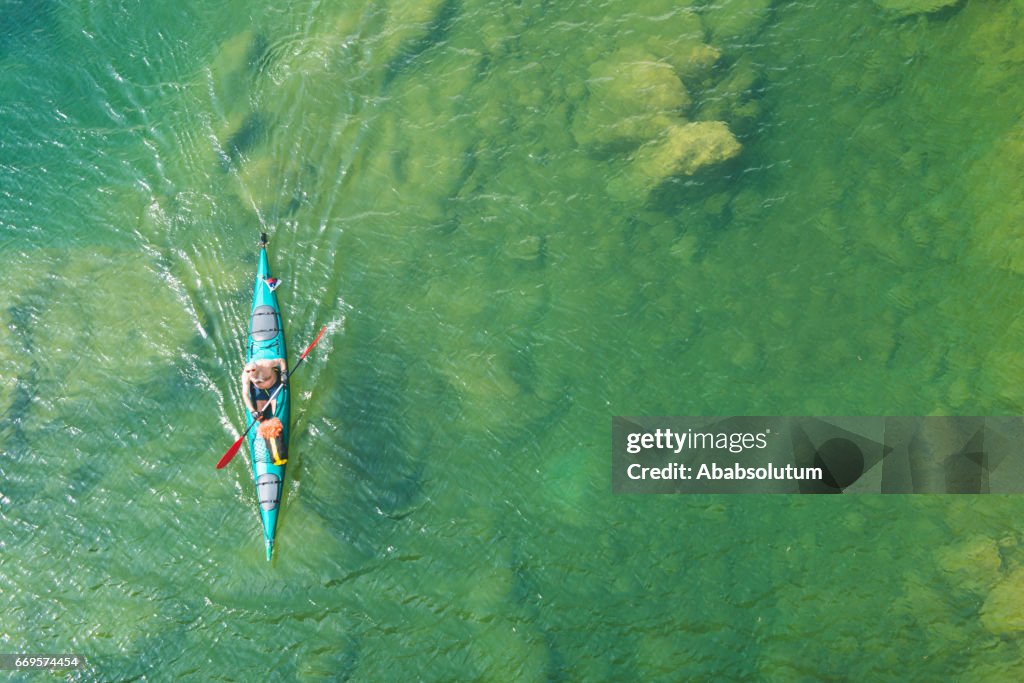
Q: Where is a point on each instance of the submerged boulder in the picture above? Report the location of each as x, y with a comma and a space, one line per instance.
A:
694, 61
732, 98
682, 45
632, 97
735, 22
993, 185
973, 564
1003, 611
683, 151
688, 148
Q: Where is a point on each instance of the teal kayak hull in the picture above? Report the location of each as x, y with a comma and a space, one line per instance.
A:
266, 341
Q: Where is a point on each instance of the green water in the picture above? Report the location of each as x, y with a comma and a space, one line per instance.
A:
471, 196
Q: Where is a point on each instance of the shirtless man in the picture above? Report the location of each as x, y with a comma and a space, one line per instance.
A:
263, 376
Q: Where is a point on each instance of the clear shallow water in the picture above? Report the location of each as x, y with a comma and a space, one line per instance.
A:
449, 187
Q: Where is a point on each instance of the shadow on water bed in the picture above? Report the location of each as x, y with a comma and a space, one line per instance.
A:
15, 439
254, 130
435, 32
389, 468
26, 371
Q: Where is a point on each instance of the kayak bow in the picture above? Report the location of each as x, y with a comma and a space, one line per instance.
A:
266, 341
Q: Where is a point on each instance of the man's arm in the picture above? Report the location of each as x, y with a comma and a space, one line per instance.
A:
245, 390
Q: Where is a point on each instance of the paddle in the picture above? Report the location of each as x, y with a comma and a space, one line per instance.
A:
238, 444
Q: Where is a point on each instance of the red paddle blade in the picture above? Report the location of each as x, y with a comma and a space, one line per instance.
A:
231, 453
310, 348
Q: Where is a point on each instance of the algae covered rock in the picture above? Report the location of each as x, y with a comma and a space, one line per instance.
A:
683, 151
688, 148
682, 45
732, 98
973, 564
735, 21
908, 7
694, 61
994, 189
632, 97
1003, 611
633, 76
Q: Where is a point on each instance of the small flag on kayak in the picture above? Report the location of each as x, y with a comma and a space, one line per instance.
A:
272, 283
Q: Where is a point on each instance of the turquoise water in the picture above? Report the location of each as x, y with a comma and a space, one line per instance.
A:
516, 220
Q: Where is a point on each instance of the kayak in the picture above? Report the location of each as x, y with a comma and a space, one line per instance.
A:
266, 341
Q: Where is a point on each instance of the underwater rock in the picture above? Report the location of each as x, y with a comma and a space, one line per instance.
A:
731, 99
1001, 364
974, 564
907, 7
682, 45
1002, 613
994, 190
735, 21
695, 61
683, 151
632, 97
688, 148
